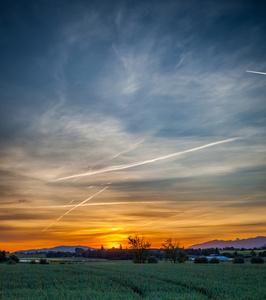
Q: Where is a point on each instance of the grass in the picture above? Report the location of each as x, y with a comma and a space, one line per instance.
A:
124, 280
243, 252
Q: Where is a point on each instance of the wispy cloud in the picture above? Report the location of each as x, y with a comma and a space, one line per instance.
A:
74, 208
122, 86
122, 167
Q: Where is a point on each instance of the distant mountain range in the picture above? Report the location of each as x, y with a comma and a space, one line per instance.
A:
55, 249
257, 242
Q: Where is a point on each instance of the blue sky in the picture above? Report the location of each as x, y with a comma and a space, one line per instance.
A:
89, 86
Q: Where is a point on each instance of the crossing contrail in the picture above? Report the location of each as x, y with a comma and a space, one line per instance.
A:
263, 73
133, 147
75, 208
122, 167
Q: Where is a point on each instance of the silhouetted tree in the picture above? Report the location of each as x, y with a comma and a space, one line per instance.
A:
158, 253
139, 248
217, 252
205, 252
227, 254
87, 253
152, 260
2, 256
172, 252
14, 258
262, 254
79, 251
182, 257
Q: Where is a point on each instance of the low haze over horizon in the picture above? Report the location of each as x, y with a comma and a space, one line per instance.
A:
124, 117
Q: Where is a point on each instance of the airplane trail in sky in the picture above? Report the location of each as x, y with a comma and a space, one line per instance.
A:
133, 147
122, 167
256, 72
75, 208
100, 204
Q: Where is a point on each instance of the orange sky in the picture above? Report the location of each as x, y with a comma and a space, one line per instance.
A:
111, 216
131, 117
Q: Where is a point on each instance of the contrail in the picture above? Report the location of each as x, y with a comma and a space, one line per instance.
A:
256, 72
133, 147
75, 208
99, 204
122, 167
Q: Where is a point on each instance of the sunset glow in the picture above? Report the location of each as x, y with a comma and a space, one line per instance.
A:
122, 118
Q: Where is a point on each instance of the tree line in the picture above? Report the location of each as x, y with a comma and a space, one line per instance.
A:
139, 251
11, 259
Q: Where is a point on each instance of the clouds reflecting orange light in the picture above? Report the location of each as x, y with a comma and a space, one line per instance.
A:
131, 117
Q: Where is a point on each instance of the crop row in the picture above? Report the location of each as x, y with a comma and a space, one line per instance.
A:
124, 280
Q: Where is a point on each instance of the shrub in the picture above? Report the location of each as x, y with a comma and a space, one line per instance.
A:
262, 254
11, 262
238, 260
257, 260
197, 260
201, 260
204, 260
152, 260
214, 260
32, 262
43, 261
14, 258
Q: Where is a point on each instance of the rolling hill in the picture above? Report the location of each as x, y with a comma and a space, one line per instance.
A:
257, 242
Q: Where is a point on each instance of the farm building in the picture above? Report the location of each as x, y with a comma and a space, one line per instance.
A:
221, 258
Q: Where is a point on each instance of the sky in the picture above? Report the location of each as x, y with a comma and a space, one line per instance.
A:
131, 117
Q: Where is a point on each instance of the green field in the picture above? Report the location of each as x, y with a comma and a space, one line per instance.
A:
242, 252
124, 280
